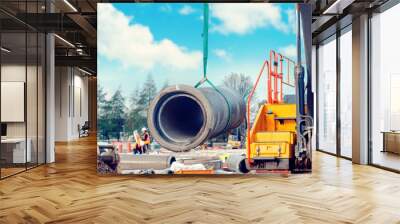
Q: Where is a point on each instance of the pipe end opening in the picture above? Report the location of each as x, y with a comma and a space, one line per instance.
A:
180, 118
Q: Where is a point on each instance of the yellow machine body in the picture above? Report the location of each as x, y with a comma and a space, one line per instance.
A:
273, 137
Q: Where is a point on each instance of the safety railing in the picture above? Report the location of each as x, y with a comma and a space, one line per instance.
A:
276, 62
265, 64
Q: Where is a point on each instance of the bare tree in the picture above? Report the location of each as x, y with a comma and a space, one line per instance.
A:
242, 84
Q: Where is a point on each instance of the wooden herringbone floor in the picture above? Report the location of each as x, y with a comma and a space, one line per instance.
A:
70, 191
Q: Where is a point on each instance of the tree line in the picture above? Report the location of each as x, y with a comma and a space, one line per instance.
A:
118, 114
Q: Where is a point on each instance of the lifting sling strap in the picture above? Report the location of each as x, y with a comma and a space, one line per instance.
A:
205, 60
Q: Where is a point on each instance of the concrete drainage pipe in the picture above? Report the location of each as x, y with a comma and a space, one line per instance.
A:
182, 117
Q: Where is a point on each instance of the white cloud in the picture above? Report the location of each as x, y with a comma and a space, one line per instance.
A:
289, 51
291, 15
242, 18
133, 44
221, 53
186, 10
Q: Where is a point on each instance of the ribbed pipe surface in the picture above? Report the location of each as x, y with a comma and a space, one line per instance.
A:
182, 117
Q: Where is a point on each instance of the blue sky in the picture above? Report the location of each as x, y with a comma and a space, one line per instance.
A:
136, 39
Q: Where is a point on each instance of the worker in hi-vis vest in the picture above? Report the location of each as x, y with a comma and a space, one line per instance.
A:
137, 148
145, 139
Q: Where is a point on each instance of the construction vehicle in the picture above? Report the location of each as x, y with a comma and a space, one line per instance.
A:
279, 138
272, 137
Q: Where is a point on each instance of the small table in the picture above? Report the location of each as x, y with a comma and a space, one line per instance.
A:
391, 141
13, 150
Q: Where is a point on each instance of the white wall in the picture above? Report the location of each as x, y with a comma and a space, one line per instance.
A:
16, 73
80, 103
33, 126
61, 103
71, 102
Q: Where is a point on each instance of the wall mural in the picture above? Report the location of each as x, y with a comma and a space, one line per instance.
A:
203, 88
